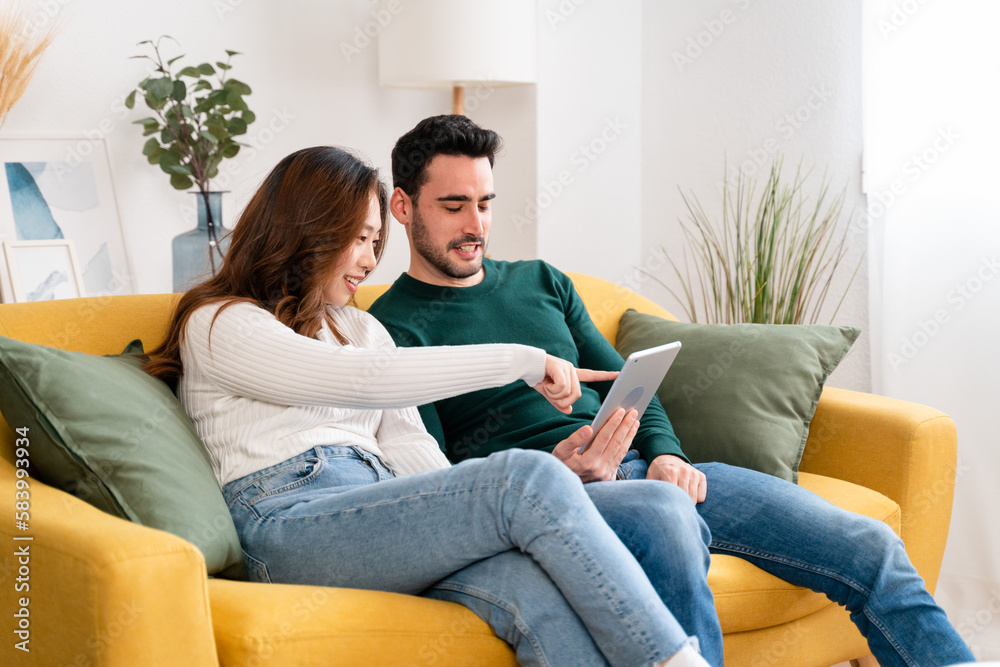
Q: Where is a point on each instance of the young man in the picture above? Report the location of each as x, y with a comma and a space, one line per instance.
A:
451, 294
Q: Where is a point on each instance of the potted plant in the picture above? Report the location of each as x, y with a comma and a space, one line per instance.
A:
197, 113
772, 258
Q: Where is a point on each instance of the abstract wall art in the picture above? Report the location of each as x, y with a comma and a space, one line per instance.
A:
43, 270
55, 189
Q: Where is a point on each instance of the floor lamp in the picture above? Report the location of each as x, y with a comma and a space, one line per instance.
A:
458, 43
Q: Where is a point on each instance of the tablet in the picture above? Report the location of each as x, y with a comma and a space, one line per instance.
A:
636, 385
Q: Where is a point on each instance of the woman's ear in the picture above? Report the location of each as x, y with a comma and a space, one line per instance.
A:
401, 206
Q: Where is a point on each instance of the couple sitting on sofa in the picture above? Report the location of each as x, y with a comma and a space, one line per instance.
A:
305, 403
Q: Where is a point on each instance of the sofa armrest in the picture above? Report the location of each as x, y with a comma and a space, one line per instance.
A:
904, 450
101, 590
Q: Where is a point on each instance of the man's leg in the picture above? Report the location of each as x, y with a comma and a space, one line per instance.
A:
856, 561
659, 525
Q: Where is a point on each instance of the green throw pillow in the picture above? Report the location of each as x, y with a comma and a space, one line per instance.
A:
742, 394
108, 433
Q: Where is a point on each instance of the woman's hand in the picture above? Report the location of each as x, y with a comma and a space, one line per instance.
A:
561, 385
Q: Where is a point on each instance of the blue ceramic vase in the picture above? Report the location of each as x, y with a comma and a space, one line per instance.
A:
191, 249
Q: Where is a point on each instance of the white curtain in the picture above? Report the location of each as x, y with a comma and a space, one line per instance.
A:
932, 161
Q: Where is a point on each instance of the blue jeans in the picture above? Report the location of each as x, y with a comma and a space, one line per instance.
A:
319, 518
656, 523
797, 536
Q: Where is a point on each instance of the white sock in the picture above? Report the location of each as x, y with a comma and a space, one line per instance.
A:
688, 656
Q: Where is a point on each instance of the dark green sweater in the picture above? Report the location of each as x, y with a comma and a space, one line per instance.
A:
517, 302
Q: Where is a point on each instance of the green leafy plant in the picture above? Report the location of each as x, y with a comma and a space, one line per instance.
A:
197, 112
772, 258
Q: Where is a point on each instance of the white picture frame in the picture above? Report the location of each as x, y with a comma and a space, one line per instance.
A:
42, 270
60, 187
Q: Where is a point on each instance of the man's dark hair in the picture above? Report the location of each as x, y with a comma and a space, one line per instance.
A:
438, 135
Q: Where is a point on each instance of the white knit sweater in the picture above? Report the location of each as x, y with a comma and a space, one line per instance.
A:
262, 393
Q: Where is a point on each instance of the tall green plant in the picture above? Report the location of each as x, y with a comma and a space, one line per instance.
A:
772, 258
197, 112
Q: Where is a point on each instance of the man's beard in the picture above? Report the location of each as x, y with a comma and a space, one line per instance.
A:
438, 257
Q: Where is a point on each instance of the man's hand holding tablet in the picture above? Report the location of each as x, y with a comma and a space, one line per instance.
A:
637, 383
599, 448
600, 461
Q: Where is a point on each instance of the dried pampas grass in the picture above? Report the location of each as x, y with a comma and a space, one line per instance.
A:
21, 46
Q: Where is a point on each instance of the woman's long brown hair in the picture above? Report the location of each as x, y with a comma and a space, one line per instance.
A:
308, 211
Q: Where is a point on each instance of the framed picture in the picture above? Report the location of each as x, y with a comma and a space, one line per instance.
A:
60, 188
42, 270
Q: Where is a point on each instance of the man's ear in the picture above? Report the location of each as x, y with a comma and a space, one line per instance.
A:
401, 206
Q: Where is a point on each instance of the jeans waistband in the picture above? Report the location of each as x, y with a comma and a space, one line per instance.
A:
327, 452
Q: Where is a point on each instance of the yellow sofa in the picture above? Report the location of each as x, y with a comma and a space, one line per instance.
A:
112, 593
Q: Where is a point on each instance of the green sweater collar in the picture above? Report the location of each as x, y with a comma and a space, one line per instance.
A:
428, 292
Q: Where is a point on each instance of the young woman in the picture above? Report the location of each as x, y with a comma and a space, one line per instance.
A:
307, 411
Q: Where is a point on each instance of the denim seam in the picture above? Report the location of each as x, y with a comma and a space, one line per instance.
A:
866, 610
366, 458
261, 565
793, 563
501, 604
391, 501
889, 637
636, 633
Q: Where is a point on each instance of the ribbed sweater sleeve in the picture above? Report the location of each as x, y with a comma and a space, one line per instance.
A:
252, 354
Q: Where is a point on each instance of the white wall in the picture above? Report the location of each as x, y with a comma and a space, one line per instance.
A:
931, 97
589, 137
742, 80
306, 92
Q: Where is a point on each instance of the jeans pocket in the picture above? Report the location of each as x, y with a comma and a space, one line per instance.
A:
286, 477
256, 570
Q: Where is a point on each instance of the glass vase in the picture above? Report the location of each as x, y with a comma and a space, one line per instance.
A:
192, 263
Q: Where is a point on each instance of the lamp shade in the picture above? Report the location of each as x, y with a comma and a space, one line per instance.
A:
445, 43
